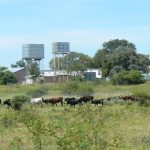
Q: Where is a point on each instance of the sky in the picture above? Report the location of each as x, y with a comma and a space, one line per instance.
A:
86, 24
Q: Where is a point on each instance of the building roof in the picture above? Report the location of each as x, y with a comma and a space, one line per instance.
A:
16, 69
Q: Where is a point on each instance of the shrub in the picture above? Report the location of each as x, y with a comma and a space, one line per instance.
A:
78, 88
18, 101
128, 78
143, 98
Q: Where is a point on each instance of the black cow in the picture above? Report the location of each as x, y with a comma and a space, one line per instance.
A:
0, 102
8, 103
86, 98
99, 101
74, 103
69, 99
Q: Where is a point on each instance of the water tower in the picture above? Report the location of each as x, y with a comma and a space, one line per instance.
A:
33, 53
59, 49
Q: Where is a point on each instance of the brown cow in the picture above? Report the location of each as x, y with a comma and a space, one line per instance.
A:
56, 100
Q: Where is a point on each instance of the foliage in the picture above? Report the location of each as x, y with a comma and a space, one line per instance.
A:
106, 68
120, 53
34, 69
116, 43
115, 70
19, 63
18, 101
127, 77
77, 88
7, 77
143, 98
77, 62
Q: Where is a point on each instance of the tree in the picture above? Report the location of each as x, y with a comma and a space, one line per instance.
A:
116, 43
106, 68
19, 63
120, 53
34, 69
100, 57
77, 62
7, 77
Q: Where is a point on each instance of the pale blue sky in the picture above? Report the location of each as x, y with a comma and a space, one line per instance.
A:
86, 24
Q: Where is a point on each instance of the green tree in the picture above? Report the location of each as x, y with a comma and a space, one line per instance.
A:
120, 53
34, 69
77, 62
19, 63
7, 77
116, 43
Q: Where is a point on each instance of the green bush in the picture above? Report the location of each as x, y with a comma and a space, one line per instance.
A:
128, 78
143, 98
78, 88
18, 101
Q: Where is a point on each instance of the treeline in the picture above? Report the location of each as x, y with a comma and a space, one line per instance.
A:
114, 57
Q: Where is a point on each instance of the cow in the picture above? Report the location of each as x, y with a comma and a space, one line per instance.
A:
38, 101
128, 97
96, 102
56, 100
68, 100
74, 102
86, 98
8, 103
0, 102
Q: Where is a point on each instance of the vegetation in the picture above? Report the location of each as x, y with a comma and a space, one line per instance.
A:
114, 56
89, 127
128, 78
6, 77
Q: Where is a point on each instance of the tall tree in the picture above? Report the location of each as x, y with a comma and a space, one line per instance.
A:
116, 43
34, 69
120, 53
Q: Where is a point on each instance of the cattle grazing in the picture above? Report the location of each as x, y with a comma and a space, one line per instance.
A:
68, 100
128, 98
46, 101
99, 101
0, 102
56, 100
8, 103
86, 98
74, 103
38, 101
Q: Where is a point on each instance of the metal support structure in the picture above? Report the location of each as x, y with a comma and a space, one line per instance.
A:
54, 65
67, 67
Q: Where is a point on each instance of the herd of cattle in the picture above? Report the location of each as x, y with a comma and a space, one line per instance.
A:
72, 101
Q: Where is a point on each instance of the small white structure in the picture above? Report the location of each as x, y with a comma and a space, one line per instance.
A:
97, 72
28, 80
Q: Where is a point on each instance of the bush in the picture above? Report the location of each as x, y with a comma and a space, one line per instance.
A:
143, 98
128, 78
37, 92
78, 88
18, 101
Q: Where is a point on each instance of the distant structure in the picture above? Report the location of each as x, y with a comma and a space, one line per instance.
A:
33, 53
59, 49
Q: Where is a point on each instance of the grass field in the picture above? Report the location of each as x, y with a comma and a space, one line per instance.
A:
123, 126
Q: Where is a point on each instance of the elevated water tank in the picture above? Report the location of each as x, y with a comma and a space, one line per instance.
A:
60, 47
33, 51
